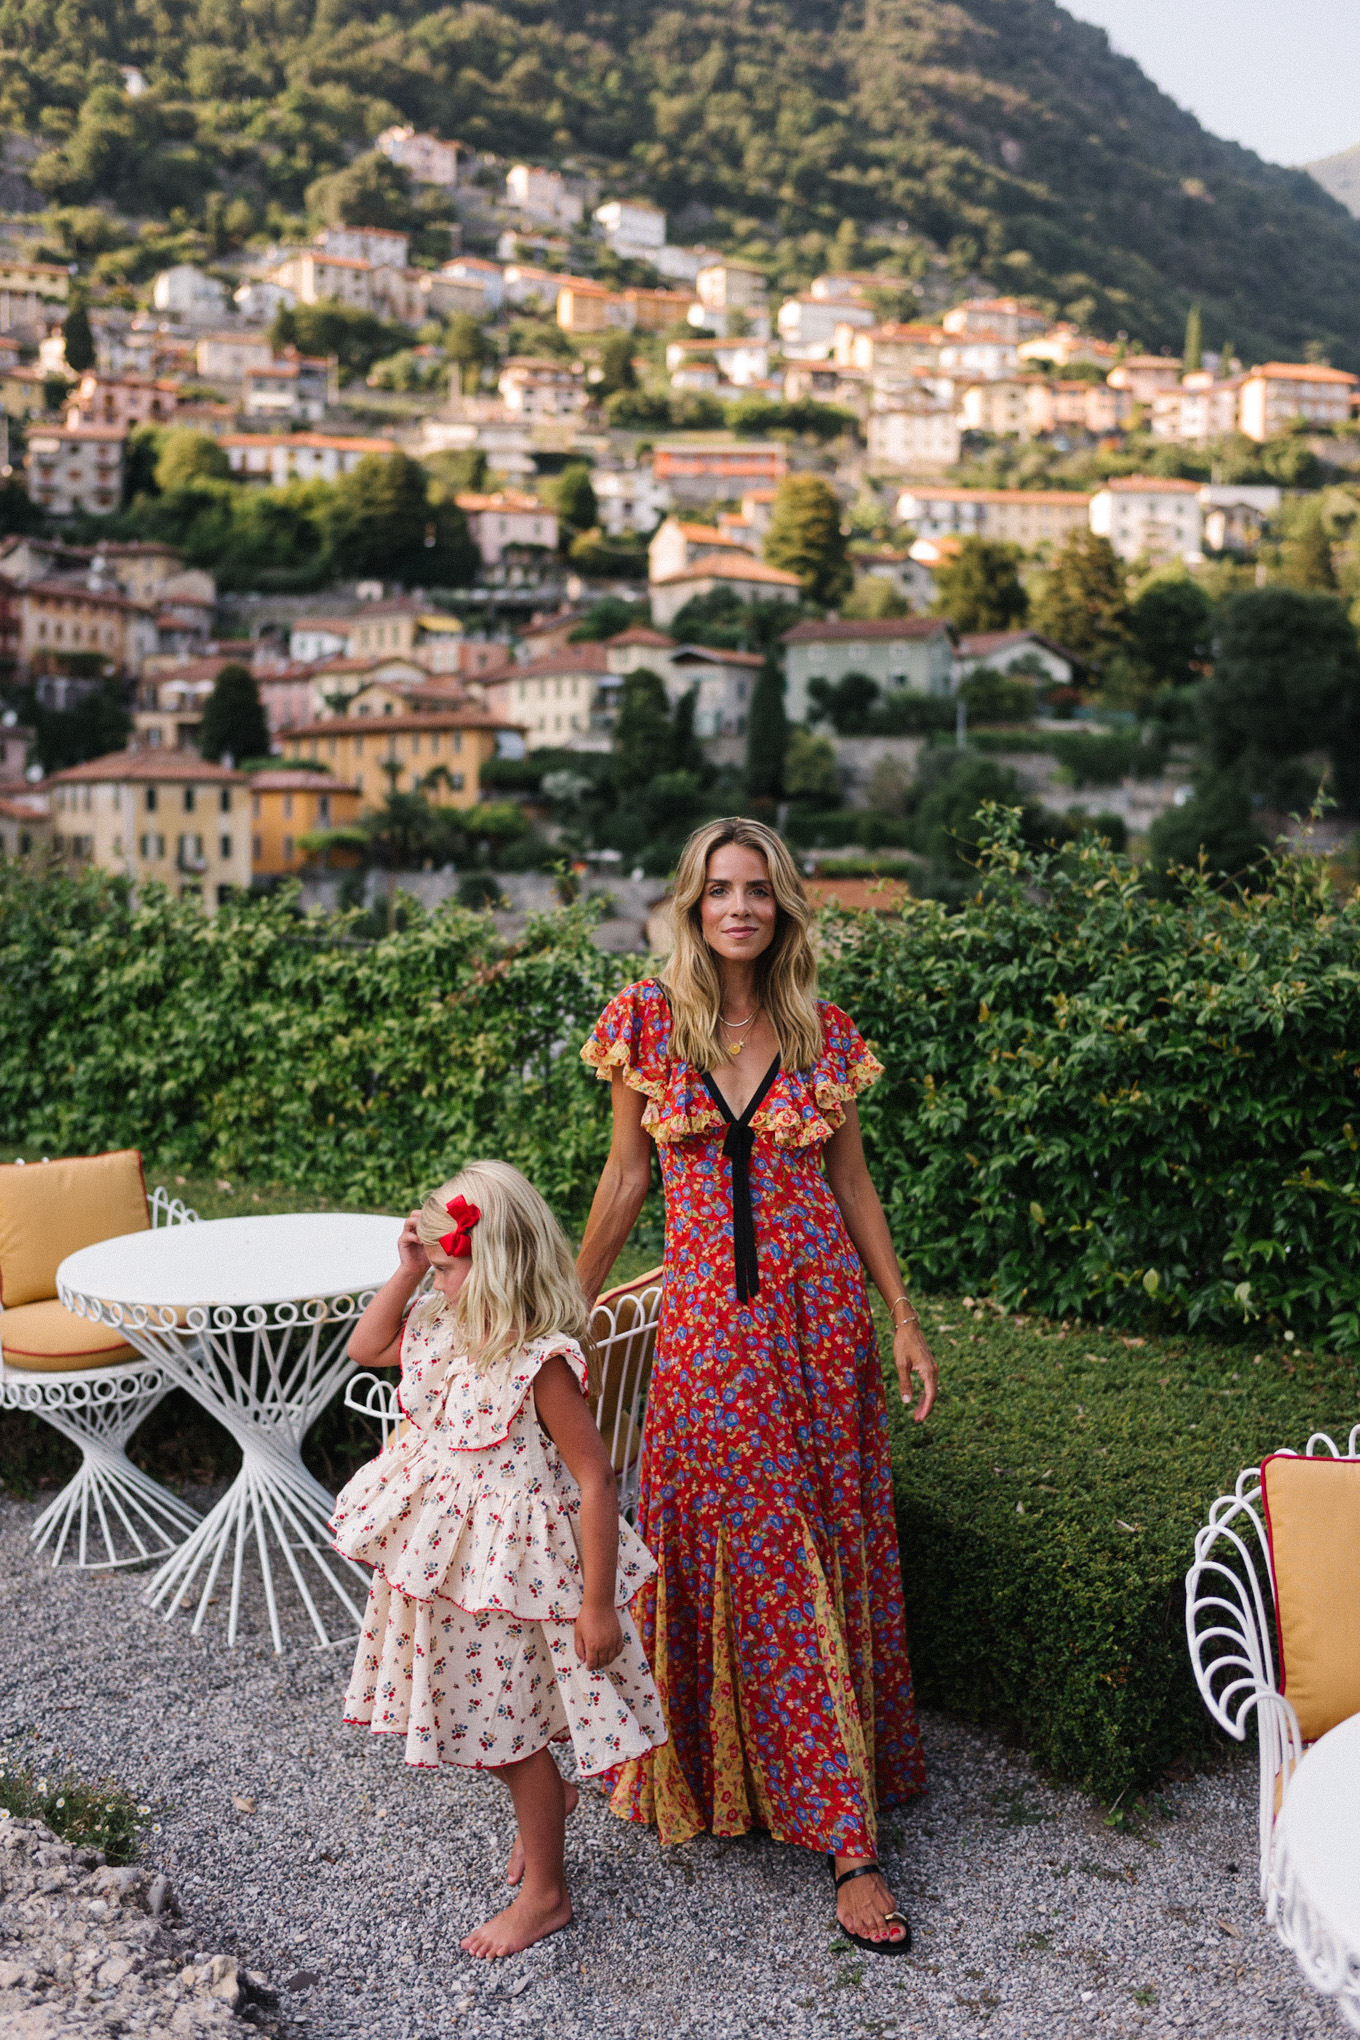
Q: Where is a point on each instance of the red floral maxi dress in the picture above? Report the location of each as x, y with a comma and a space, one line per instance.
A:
775, 1624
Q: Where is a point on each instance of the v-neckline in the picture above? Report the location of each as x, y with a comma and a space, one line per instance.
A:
753, 1104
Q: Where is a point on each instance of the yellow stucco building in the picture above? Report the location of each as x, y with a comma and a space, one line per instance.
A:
286, 806
440, 755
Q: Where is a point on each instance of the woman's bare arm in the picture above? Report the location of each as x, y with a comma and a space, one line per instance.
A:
623, 1186
852, 1187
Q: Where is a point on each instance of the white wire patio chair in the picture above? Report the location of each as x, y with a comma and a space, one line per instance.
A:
1229, 1627
623, 1328
111, 1512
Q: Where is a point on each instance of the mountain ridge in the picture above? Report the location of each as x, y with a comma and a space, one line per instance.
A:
1339, 175
1004, 132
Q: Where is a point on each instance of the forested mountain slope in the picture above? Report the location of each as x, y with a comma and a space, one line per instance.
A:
1005, 131
1340, 174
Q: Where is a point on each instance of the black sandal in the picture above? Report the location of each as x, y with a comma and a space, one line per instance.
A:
892, 1919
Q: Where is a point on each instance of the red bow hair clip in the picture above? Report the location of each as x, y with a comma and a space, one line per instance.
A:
458, 1243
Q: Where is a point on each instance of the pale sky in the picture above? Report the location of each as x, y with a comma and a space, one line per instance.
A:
1280, 76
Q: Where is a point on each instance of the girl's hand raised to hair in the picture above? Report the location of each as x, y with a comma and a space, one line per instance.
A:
414, 1260
599, 1638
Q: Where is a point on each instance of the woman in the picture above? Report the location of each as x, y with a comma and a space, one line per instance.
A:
775, 1623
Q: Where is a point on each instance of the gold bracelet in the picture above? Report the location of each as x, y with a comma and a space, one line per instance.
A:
914, 1319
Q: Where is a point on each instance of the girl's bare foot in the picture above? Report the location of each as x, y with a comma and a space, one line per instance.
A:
529, 1919
514, 1869
863, 1903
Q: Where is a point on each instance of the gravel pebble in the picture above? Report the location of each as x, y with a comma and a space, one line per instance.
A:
311, 1853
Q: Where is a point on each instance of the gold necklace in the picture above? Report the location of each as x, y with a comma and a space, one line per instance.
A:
734, 1048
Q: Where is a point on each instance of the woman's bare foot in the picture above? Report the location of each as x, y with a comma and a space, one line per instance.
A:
529, 1919
863, 1903
514, 1869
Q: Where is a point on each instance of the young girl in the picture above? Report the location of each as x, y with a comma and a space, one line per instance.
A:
498, 1618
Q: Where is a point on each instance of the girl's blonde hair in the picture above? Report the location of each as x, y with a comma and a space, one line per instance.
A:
786, 974
523, 1283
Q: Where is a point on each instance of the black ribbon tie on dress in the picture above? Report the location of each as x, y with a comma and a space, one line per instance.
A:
737, 1146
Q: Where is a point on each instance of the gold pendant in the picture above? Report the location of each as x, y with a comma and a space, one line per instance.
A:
736, 1047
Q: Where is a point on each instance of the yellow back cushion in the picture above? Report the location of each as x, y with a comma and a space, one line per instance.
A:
49, 1209
1313, 1517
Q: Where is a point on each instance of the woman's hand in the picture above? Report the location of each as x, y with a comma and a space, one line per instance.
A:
599, 1637
911, 1355
410, 1252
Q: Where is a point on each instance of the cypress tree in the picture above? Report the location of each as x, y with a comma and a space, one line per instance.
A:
233, 720
767, 734
1193, 350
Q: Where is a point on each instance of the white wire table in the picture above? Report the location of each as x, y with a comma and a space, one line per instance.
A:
1317, 1867
251, 1316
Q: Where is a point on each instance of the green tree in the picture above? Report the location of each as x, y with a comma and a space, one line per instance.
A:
847, 703
616, 360
186, 457
644, 736
1308, 553
605, 618
875, 599
1169, 629
805, 538
1082, 603
810, 774
75, 331
573, 499
369, 192
980, 588
470, 347
234, 722
382, 520
1217, 822
1285, 681
767, 734
1192, 352
356, 338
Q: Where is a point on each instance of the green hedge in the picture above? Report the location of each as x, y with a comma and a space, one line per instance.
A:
284, 1050
1100, 1102
1047, 1515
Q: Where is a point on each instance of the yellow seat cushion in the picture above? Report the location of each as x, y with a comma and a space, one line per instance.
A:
1313, 1520
50, 1209
46, 1338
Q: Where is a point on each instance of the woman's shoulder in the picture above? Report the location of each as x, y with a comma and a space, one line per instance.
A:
632, 1035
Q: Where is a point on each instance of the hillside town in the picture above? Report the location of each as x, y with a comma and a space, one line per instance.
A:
609, 423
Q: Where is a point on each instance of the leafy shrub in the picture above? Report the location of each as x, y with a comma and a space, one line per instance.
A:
1052, 1503
261, 1045
103, 1817
1105, 760
1100, 1101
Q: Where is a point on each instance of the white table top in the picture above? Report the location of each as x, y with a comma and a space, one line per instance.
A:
236, 1261
1319, 1828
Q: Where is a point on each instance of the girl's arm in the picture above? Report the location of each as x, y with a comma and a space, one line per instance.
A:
624, 1182
852, 1187
565, 1415
376, 1339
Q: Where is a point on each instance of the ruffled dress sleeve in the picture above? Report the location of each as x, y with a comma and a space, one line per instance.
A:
805, 1107
633, 1036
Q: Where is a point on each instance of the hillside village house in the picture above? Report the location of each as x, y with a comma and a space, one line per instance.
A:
1142, 375
542, 195
1273, 397
917, 436
708, 364
888, 349
228, 357
555, 699
1002, 650
277, 458
632, 228
808, 323
1235, 513
288, 805
384, 247
699, 470
58, 617
505, 520
915, 653
587, 307
155, 814
628, 498
541, 389
312, 276
729, 285
27, 293
1201, 409
188, 292
138, 567
122, 401
76, 467
1052, 404
1144, 514
25, 823
335, 684
294, 387
1027, 517
424, 158
977, 354
1005, 317
1065, 344
440, 755
676, 545
750, 580
372, 630
724, 682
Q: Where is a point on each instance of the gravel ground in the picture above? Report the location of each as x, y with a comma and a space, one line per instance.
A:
352, 1879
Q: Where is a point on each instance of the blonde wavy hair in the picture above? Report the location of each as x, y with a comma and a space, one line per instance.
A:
522, 1283
786, 973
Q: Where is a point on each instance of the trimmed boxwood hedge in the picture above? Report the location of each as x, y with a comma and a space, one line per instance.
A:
1047, 1514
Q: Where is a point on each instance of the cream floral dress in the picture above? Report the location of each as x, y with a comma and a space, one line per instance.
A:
469, 1519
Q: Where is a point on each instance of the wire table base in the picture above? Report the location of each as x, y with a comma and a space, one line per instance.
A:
266, 1371
116, 1513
